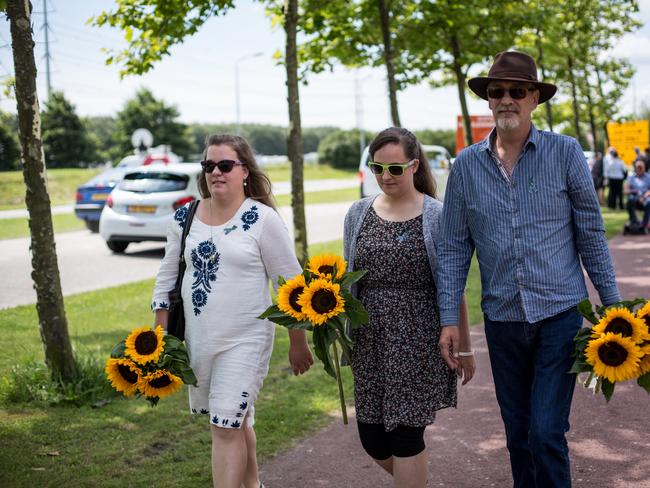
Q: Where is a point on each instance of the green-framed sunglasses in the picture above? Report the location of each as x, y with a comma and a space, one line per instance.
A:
395, 169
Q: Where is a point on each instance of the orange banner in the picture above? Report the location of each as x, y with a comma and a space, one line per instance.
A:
481, 127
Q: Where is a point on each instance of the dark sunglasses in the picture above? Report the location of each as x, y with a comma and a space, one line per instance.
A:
395, 169
516, 93
225, 165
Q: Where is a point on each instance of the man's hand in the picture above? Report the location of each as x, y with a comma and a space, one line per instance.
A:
449, 342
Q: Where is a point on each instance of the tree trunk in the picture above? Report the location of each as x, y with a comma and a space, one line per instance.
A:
45, 271
574, 96
540, 61
460, 81
608, 116
294, 139
592, 117
384, 17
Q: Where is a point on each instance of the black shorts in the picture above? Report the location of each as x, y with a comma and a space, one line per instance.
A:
402, 441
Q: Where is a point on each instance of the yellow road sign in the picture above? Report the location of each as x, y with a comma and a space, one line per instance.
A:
625, 136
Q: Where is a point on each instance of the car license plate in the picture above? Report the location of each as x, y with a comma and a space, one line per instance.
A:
99, 196
149, 209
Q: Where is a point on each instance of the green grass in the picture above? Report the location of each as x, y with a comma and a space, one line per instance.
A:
614, 221
128, 443
12, 228
311, 172
328, 196
61, 184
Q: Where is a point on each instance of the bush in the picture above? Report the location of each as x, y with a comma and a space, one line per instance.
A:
32, 383
340, 149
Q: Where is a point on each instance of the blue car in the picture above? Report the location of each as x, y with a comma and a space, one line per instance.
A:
92, 195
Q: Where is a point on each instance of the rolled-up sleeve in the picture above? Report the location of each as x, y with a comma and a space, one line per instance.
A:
589, 228
455, 247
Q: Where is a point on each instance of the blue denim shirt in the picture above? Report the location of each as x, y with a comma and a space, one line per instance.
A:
530, 231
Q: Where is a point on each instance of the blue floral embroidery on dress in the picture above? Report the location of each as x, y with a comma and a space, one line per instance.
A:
205, 260
244, 394
239, 414
224, 422
243, 405
194, 410
215, 420
228, 230
180, 215
235, 424
204, 411
249, 217
163, 305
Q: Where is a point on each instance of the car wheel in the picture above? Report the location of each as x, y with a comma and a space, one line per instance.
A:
117, 246
92, 225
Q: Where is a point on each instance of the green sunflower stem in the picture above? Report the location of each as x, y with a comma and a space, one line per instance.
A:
345, 350
344, 410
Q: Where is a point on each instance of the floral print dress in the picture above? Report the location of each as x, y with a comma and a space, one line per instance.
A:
225, 288
400, 377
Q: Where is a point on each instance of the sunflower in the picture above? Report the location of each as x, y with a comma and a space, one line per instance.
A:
123, 375
621, 321
144, 345
321, 300
644, 364
159, 384
288, 295
323, 266
614, 357
644, 314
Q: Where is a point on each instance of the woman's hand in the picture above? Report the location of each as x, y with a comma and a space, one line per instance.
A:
300, 356
466, 368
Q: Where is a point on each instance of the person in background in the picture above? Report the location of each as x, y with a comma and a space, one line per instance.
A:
400, 377
525, 201
237, 242
598, 177
615, 172
637, 189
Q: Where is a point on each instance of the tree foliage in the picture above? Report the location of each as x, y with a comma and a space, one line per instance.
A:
145, 111
341, 149
9, 145
65, 140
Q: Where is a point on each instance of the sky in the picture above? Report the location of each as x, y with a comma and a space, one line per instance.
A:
199, 75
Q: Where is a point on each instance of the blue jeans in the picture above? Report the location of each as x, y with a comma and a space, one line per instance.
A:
633, 204
534, 391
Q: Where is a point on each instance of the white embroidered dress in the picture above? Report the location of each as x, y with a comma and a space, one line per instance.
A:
225, 288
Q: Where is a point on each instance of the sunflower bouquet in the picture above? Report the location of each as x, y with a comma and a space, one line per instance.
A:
616, 348
319, 300
149, 363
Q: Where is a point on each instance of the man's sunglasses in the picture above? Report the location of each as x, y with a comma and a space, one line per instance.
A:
395, 169
225, 165
516, 93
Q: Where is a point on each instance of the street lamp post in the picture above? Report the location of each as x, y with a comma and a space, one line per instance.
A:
239, 60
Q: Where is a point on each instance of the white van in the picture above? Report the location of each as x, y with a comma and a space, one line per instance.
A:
439, 160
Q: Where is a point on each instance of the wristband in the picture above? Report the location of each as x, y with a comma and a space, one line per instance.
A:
463, 354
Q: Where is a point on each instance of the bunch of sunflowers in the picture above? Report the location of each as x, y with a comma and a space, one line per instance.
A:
319, 300
149, 363
617, 347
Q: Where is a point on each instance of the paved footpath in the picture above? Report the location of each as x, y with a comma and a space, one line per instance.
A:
609, 443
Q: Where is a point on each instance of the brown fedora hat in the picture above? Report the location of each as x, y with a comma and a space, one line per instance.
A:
512, 66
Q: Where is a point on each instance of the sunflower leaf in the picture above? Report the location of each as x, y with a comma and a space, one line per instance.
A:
119, 350
272, 310
586, 309
644, 381
172, 342
355, 310
321, 349
305, 325
607, 388
580, 366
352, 277
281, 281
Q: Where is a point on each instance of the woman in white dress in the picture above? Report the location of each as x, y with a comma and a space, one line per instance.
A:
236, 244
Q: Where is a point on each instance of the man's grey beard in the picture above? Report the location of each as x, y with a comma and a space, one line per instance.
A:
507, 123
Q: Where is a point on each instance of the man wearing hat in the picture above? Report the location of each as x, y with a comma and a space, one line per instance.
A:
525, 201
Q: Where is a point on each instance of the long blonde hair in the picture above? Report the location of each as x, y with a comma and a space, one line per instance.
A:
258, 185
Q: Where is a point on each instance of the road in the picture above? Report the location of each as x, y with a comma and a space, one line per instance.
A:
87, 264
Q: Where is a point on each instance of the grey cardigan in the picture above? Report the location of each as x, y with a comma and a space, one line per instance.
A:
431, 212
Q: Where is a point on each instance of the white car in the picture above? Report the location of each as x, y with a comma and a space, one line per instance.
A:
439, 160
142, 204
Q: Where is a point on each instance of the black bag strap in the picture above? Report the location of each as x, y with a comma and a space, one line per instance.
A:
186, 230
